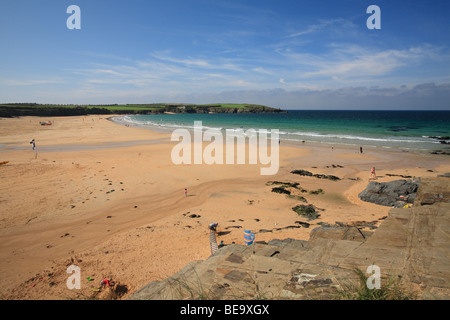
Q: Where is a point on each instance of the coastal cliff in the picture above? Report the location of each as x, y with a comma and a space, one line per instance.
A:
411, 245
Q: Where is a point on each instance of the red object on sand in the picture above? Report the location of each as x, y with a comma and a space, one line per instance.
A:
105, 281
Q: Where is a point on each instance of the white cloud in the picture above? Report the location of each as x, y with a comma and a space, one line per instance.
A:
218, 63
29, 82
262, 70
323, 24
186, 62
352, 63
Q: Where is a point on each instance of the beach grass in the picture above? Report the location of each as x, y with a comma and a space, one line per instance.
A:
391, 288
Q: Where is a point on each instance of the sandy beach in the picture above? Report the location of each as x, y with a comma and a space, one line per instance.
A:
108, 199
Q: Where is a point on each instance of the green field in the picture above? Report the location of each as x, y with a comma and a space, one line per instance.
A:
35, 109
108, 107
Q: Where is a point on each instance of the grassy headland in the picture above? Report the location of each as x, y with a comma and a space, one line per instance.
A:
35, 109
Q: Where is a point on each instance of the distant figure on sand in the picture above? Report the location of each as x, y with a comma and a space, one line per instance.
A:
33, 143
360, 150
185, 192
372, 173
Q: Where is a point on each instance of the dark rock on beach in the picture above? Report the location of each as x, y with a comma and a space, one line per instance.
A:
280, 190
302, 172
439, 138
391, 194
444, 152
317, 175
303, 224
308, 211
295, 185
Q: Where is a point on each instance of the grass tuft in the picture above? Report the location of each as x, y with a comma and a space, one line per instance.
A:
391, 288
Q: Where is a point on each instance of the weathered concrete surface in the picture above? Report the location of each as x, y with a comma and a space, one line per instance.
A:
433, 190
412, 243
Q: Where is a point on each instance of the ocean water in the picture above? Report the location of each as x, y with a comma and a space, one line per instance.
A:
408, 130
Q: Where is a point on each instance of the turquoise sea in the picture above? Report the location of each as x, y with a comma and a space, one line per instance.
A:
408, 130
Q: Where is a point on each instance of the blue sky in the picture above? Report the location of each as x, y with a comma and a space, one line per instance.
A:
289, 54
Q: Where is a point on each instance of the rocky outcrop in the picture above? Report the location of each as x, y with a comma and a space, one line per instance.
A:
442, 152
411, 244
308, 211
391, 194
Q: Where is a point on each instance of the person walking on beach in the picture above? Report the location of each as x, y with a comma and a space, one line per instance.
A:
185, 192
33, 144
372, 173
360, 150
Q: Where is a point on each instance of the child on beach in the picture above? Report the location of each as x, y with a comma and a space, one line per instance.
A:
372, 173
185, 192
